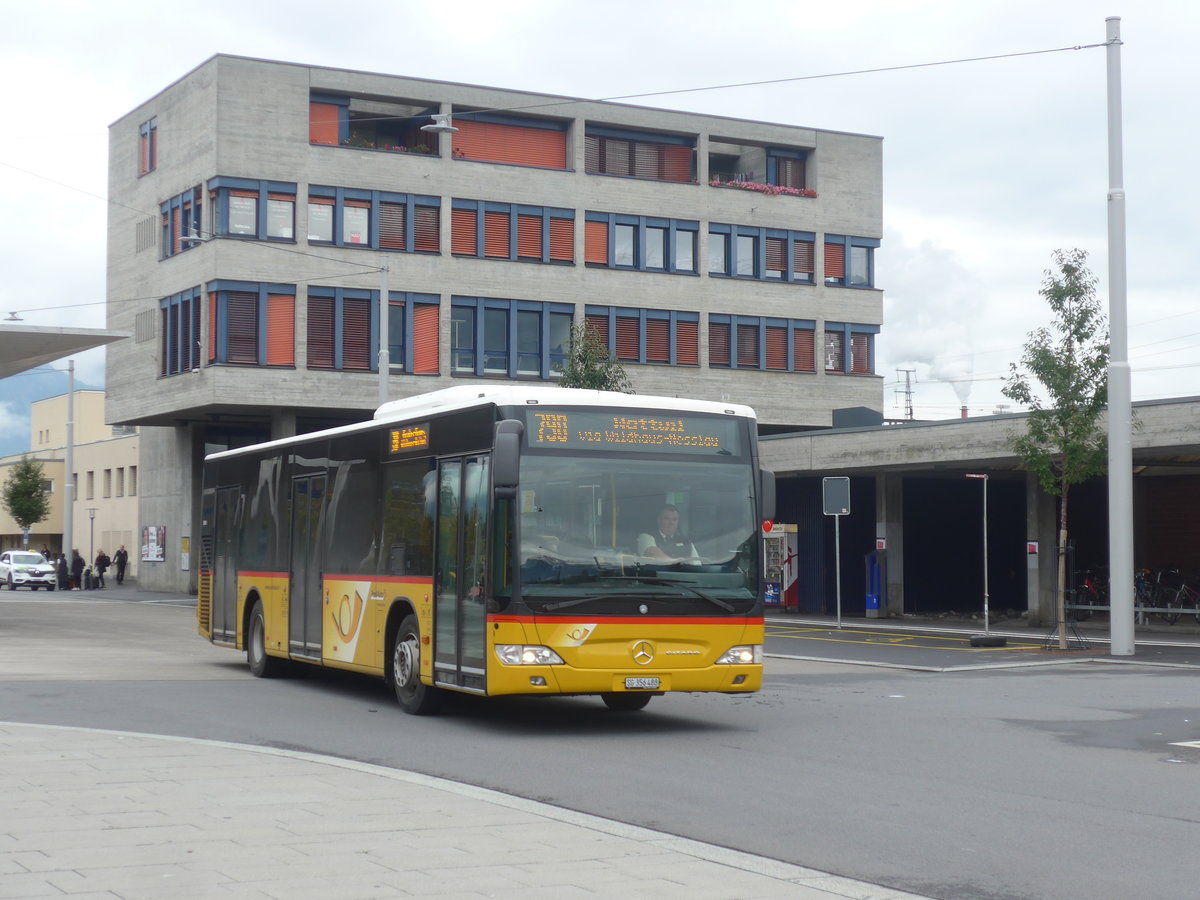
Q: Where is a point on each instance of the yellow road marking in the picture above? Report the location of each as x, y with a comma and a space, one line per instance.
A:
916, 641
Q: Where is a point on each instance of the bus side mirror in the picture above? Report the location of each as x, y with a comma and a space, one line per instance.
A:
506, 459
766, 492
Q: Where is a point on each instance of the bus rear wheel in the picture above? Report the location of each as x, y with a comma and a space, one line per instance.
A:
618, 702
415, 698
261, 665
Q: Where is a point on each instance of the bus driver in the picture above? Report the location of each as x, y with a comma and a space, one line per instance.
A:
667, 542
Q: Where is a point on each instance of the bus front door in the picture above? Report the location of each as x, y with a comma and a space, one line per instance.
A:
224, 588
304, 593
460, 610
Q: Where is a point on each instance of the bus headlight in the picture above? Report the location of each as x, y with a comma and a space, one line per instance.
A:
527, 655
741, 655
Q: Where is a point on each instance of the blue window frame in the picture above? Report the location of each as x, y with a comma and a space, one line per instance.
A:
639, 154
539, 234
850, 348
374, 220
253, 209
343, 329
765, 254
509, 338
240, 317
757, 342
180, 332
787, 168
654, 336
181, 217
644, 243
850, 261
147, 147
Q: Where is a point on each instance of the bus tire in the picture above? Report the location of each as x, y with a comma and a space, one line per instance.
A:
261, 665
414, 697
619, 702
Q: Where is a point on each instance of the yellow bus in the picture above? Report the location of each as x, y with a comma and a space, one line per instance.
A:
498, 540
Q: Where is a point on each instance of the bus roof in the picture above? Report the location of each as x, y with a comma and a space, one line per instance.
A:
466, 396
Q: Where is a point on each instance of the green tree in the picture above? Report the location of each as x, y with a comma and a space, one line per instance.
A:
24, 497
1064, 443
589, 365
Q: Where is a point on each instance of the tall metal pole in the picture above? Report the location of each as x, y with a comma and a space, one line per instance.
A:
68, 538
385, 333
1120, 413
986, 614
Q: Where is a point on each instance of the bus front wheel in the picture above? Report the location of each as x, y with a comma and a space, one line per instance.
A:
261, 665
414, 697
618, 702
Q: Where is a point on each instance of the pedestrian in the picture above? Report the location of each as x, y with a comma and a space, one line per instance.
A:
121, 558
76, 570
100, 565
63, 570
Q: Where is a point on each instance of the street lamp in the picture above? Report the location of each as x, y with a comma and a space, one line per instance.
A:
92, 538
986, 639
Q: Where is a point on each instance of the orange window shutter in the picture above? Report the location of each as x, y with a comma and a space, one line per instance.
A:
627, 338
860, 354
718, 343
324, 123
597, 327
281, 330
596, 242
391, 226
143, 153
427, 226
776, 348
835, 261
802, 257
803, 350
514, 144
529, 237
658, 340
562, 239
776, 249
464, 229
356, 333
676, 163
176, 236
687, 343
496, 235
425, 339
212, 326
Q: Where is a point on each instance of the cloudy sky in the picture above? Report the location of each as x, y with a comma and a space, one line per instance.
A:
989, 166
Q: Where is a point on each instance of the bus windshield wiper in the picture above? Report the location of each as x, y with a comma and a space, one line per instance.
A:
564, 604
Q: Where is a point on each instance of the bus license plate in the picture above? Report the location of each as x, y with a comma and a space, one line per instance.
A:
641, 684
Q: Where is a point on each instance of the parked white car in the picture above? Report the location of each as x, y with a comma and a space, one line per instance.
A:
25, 568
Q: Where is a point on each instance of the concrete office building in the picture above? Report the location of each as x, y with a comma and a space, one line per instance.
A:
255, 203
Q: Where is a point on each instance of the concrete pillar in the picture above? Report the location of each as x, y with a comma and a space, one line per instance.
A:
1041, 525
283, 423
889, 525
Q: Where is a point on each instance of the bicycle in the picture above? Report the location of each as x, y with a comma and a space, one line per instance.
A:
1188, 596
1090, 594
1168, 593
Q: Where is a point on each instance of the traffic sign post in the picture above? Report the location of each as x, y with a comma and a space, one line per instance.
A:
835, 498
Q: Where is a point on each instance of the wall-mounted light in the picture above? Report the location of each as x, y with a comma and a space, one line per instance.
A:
441, 124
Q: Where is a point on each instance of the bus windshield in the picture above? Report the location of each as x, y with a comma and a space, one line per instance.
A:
600, 533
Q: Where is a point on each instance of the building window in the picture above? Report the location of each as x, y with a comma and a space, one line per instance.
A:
47, 486
753, 342
768, 254
512, 338
508, 231
636, 154
515, 140
787, 168
133, 481
147, 147
850, 348
247, 208
121, 482
858, 252
343, 331
179, 347
108, 482
665, 337
181, 218
91, 486
251, 324
640, 242
370, 124
377, 220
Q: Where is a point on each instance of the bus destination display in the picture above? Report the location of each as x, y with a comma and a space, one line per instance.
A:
408, 437
633, 431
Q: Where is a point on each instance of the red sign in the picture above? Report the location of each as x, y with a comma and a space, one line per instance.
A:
768, 524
